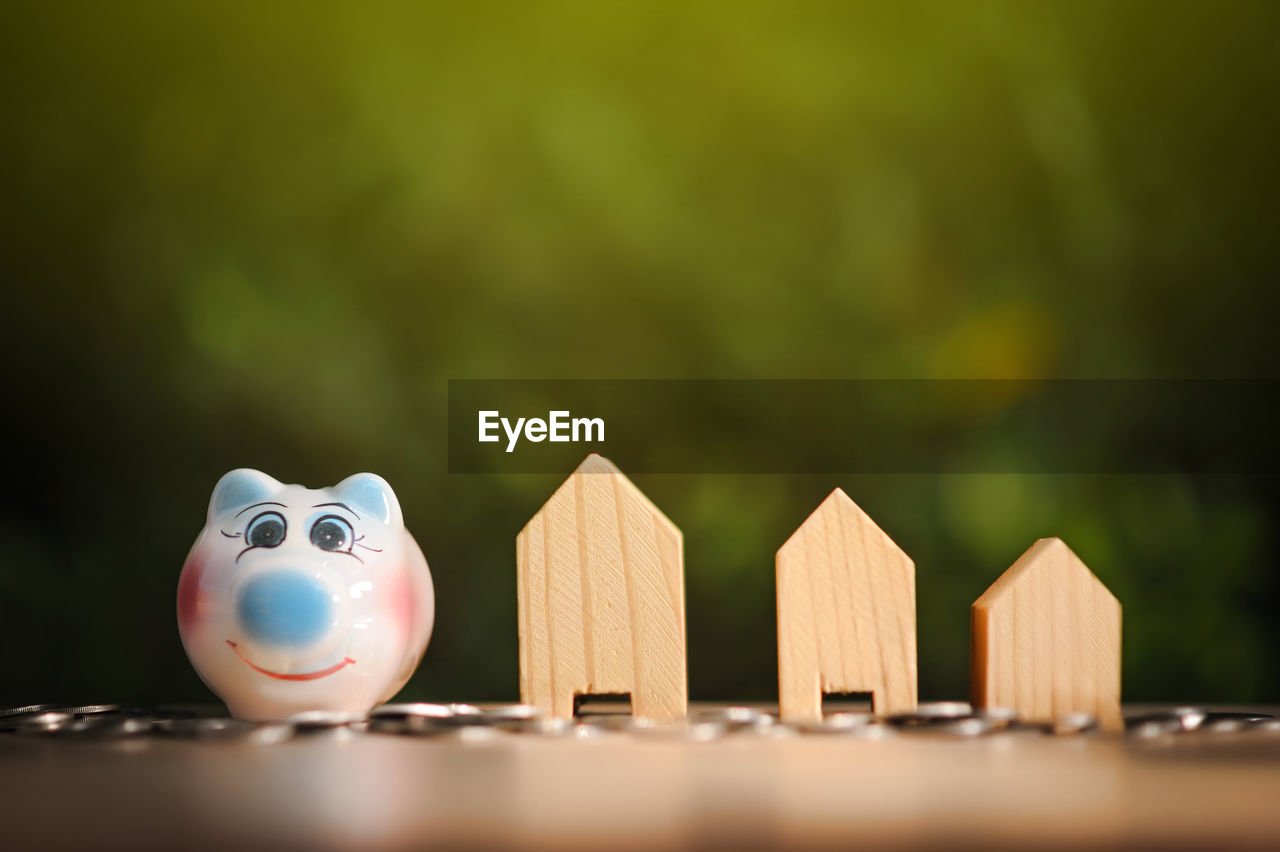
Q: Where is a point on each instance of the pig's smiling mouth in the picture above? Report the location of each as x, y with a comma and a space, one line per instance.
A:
345, 661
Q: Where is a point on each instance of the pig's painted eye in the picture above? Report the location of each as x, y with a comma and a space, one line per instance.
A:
332, 533
266, 530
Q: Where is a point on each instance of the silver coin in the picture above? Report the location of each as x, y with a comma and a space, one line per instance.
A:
513, 713
461, 715
1248, 718
742, 715
270, 733
1225, 726
958, 726
776, 731
418, 709
999, 716
386, 725
837, 723
970, 726
1073, 723
129, 725
413, 726
734, 717
1173, 720
476, 734
332, 733
655, 728
610, 722
943, 709
94, 709
50, 728
1188, 718
931, 713
765, 721
422, 726
739, 720
112, 727
547, 726
702, 732
200, 728
48, 719
189, 711
586, 731
465, 710
848, 721
1153, 728
874, 732
683, 730
27, 710
324, 719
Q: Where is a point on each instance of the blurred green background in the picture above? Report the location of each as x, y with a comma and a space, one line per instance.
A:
241, 234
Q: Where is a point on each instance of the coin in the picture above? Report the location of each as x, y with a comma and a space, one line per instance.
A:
468, 710
999, 716
512, 713
112, 727
270, 733
931, 713
323, 719
734, 717
26, 710
1188, 718
388, 726
547, 726
970, 726
838, 723
460, 715
1224, 716
420, 709
476, 734
1073, 723
1171, 721
45, 719
419, 718
1153, 728
201, 728
95, 709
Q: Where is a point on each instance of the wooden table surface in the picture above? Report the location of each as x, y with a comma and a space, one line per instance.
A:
346, 790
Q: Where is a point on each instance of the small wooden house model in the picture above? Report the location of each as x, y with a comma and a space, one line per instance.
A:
846, 614
1046, 640
600, 595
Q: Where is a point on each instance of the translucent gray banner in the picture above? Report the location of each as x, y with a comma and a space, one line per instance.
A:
864, 426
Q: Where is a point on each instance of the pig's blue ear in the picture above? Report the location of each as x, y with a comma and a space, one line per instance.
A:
241, 487
371, 497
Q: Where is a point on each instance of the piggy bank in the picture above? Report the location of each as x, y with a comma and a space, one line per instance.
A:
296, 600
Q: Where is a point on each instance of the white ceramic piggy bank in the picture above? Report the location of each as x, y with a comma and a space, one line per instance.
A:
296, 600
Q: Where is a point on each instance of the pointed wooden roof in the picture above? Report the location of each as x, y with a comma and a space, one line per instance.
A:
838, 515
597, 465
1047, 557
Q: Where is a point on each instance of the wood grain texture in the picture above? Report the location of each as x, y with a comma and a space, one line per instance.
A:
846, 614
600, 591
1045, 640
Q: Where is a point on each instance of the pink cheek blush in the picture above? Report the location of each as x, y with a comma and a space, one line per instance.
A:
189, 592
398, 601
